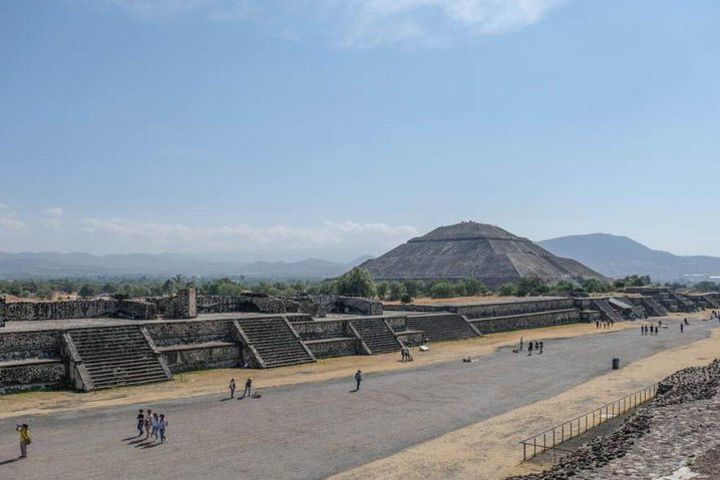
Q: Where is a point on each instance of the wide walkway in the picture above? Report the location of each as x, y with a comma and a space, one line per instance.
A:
315, 430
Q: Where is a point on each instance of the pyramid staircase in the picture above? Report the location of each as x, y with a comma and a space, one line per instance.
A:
273, 342
442, 327
115, 357
654, 308
377, 334
711, 301
607, 310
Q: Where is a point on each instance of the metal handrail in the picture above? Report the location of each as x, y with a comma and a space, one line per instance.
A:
581, 424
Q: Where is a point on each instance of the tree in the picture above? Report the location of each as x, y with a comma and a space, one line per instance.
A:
382, 290
473, 286
531, 286
87, 290
441, 289
397, 291
507, 290
413, 287
357, 282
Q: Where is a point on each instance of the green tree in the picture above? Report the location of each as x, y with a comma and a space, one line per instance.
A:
507, 290
396, 291
473, 286
87, 290
357, 282
382, 289
531, 286
441, 289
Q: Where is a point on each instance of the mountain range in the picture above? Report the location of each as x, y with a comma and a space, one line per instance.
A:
58, 265
618, 256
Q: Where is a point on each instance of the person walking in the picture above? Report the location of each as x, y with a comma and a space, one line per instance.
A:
162, 427
155, 425
232, 388
140, 420
25, 440
682, 328
248, 387
148, 424
358, 380
521, 343
541, 347
530, 349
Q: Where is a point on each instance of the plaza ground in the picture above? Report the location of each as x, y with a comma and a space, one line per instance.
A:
435, 418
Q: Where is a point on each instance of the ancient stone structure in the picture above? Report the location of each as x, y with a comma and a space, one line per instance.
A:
667, 438
473, 250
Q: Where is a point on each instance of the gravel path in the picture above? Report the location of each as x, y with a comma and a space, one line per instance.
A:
315, 430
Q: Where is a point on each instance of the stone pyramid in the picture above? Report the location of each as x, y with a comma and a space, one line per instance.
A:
474, 250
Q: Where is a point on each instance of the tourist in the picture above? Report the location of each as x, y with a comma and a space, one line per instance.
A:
521, 343
597, 323
162, 426
686, 322
248, 387
155, 425
541, 347
358, 379
403, 354
148, 424
232, 388
530, 349
537, 346
25, 440
140, 422
642, 330
682, 328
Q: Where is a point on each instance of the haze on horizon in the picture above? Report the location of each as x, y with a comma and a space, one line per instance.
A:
283, 130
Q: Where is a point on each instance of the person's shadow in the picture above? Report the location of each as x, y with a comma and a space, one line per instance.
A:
12, 460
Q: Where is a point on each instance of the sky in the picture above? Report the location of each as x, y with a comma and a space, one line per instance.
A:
279, 129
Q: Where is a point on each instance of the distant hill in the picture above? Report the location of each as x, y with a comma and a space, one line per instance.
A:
57, 265
617, 256
474, 250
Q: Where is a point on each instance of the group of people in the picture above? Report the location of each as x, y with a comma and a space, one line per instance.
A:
649, 329
535, 346
604, 323
153, 424
248, 388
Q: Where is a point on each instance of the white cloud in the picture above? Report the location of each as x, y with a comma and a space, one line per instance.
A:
54, 212
438, 21
361, 23
183, 237
9, 221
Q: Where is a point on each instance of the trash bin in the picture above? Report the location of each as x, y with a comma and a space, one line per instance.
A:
615, 363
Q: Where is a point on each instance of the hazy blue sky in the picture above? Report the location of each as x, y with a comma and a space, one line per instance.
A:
340, 127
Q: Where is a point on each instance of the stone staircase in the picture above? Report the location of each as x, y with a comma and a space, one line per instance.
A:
274, 342
117, 356
607, 310
378, 336
711, 301
439, 328
654, 308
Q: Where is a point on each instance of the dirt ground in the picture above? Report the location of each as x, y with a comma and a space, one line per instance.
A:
215, 381
489, 450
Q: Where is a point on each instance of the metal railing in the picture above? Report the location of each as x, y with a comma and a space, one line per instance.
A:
554, 436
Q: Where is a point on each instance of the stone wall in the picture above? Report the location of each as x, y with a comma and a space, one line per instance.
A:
22, 376
29, 345
138, 309
203, 357
46, 310
245, 303
189, 332
322, 329
337, 347
31, 361
495, 309
531, 320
